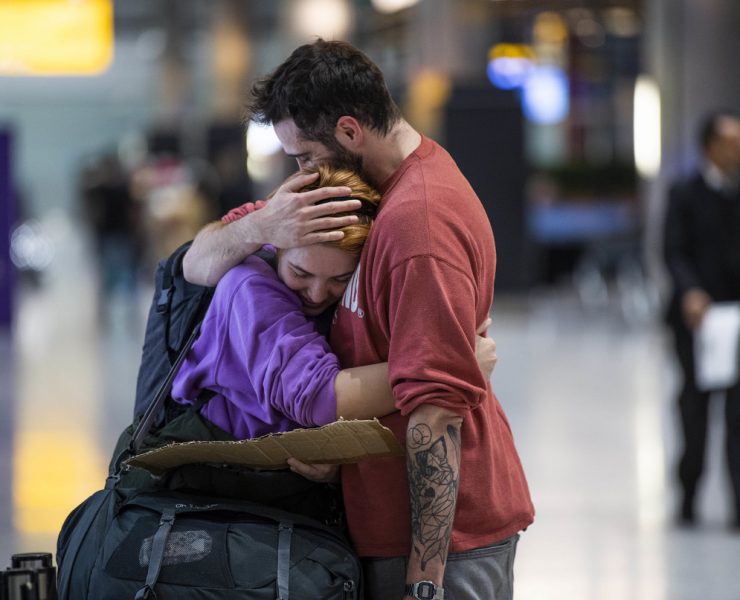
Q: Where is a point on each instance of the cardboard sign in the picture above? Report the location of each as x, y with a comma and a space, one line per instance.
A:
341, 442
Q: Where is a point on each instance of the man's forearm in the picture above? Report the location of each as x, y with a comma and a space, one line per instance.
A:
217, 248
433, 464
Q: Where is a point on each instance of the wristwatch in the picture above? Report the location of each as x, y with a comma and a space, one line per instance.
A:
425, 590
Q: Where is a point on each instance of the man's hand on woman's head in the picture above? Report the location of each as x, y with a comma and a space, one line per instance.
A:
290, 218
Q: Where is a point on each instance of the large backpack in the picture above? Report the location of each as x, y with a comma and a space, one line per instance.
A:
167, 545
201, 531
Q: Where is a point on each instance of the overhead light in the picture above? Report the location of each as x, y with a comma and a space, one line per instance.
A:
550, 28
328, 19
262, 146
391, 6
262, 140
509, 65
647, 130
545, 98
622, 22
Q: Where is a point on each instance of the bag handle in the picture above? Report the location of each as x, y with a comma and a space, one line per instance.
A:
285, 533
156, 556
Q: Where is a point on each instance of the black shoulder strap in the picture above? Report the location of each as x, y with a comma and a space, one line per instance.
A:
168, 276
147, 420
269, 257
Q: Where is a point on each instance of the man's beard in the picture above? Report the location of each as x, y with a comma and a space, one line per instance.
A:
341, 158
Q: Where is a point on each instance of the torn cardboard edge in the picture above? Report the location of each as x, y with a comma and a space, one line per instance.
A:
341, 442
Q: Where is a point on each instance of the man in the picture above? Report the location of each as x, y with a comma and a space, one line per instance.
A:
425, 279
702, 253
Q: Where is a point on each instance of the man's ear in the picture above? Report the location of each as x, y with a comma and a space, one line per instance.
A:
349, 132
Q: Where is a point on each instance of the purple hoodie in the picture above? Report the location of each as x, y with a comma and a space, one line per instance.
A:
270, 368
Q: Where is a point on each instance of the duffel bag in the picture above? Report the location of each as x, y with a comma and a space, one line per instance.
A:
168, 545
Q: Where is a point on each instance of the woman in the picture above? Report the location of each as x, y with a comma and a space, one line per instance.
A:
262, 349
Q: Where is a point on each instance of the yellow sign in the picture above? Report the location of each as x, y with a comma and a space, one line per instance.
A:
511, 51
55, 37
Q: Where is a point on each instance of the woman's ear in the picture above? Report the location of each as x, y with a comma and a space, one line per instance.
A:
349, 132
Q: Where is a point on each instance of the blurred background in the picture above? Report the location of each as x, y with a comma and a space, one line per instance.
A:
121, 134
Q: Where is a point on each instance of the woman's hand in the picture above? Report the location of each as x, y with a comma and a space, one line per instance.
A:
317, 473
485, 350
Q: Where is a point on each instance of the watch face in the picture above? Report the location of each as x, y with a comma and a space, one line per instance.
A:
425, 590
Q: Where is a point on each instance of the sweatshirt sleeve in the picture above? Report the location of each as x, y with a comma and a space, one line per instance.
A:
431, 319
242, 211
270, 342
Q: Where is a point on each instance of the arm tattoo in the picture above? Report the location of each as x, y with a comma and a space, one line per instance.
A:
433, 484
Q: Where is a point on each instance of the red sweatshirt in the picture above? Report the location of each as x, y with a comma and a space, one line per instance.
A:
424, 283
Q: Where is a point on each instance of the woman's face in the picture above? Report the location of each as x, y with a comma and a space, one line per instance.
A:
317, 273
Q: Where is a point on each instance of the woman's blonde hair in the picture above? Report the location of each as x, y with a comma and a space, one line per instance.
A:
355, 234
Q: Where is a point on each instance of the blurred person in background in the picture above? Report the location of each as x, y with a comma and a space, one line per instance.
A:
113, 218
446, 523
702, 254
175, 198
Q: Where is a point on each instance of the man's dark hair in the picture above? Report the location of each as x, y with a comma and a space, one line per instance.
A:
709, 127
319, 83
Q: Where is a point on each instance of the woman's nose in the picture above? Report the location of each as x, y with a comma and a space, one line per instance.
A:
318, 292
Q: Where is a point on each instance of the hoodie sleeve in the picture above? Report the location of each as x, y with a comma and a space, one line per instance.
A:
269, 341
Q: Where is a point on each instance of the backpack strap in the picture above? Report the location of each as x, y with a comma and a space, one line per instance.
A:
269, 257
285, 533
147, 420
156, 557
165, 294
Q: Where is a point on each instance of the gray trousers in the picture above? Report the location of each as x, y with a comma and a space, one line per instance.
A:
480, 574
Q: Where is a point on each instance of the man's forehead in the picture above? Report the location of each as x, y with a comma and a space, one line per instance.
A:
286, 130
292, 138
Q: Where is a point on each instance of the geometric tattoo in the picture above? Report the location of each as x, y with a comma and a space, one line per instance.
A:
433, 483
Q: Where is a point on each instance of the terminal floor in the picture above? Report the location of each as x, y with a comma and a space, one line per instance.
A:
587, 394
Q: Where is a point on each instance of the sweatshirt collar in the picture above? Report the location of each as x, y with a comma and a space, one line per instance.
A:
425, 147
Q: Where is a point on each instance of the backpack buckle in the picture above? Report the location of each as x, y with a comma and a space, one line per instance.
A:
163, 301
